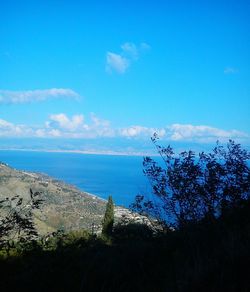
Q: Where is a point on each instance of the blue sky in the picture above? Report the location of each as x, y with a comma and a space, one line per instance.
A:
122, 70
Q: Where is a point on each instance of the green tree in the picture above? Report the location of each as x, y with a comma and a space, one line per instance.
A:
188, 188
108, 220
16, 218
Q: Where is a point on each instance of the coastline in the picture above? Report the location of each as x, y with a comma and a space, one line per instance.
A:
90, 173
84, 152
44, 177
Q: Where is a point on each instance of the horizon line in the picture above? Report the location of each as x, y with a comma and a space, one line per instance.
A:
83, 152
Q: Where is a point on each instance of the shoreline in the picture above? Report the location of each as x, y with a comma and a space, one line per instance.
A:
48, 178
84, 152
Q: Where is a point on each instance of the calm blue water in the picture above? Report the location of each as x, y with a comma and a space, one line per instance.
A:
102, 175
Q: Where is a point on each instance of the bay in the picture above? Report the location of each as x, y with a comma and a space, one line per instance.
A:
102, 175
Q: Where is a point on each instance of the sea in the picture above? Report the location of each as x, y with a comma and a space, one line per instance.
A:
102, 175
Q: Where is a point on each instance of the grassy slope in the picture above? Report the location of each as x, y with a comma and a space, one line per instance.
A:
64, 205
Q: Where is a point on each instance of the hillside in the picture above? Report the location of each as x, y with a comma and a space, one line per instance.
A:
64, 205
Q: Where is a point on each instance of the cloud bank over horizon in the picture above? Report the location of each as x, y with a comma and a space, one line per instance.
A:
79, 127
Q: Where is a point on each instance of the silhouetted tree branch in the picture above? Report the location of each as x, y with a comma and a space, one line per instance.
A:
188, 188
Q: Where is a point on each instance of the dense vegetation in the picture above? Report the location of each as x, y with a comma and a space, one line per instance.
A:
16, 221
188, 188
204, 247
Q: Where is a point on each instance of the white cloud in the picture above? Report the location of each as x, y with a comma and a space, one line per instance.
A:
230, 70
8, 96
122, 61
134, 131
139, 131
180, 132
40, 133
115, 62
131, 49
101, 127
62, 121
8, 129
184, 132
61, 125
55, 133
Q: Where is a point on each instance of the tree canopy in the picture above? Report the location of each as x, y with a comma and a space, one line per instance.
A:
16, 220
190, 188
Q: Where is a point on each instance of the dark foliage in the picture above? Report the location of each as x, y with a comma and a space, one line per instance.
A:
16, 221
188, 188
205, 257
134, 231
108, 220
